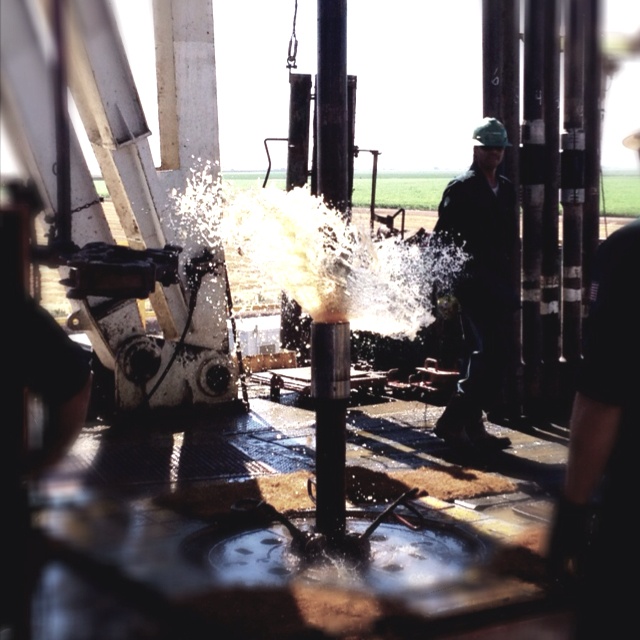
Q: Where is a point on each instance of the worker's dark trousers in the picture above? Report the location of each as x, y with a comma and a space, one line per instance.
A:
487, 345
606, 605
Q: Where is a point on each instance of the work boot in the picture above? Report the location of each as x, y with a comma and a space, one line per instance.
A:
451, 425
480, 437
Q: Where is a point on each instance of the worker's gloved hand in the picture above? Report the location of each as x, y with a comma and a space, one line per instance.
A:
569, 540
447, 307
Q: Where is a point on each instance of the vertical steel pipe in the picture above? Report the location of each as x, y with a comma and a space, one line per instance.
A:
492, 58
330, 388
374, 184
501, 99
572, 181
294, 329
298, 138
352, 86
532, 163
500, 72
331, 104
550, 303
592, 128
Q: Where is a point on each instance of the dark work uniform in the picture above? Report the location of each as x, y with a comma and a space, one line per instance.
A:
610, 374
38, 357
51, 364
481, 222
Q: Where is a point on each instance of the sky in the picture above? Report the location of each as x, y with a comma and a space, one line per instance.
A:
419, 71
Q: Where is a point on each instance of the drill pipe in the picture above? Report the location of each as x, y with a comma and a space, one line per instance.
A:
330, 388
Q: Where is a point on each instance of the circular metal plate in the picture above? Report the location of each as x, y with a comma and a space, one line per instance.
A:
400, 558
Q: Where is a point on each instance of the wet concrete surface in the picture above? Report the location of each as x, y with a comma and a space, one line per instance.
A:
114, 565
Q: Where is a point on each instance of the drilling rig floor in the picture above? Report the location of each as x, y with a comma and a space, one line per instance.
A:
112, 525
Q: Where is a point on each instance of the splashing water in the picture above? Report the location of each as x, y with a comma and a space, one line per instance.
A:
330, 266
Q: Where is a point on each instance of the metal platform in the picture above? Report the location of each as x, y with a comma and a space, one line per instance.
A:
299, 379
121, 549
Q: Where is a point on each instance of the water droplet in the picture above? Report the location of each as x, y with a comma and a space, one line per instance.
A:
331, 267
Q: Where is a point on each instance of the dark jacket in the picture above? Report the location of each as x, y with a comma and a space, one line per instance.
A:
484, 225
609, 370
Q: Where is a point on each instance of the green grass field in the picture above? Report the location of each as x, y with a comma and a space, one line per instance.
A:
620, 192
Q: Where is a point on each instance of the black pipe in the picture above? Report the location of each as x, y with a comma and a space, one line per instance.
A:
374, 183
532, 163
511, 120
294, 326
330, 343
331, 104
492, 58
572, 181
500, 99
592, 128
62, 224
299, 120
500, 73
550, 304
330, 388
352, 86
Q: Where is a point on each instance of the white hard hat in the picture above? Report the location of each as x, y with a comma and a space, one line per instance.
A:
632, 141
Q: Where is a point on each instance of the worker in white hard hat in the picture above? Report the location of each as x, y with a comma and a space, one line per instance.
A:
593, 541
476, 215
632, 141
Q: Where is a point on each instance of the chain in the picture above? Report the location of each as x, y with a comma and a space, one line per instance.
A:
293, 42
51, 219
87, 205
98, 200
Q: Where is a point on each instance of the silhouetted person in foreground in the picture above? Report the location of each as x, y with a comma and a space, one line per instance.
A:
594, 544
39, 360
57, 370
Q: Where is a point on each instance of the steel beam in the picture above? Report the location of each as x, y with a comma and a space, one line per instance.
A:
28, 105
111, 112
108, 102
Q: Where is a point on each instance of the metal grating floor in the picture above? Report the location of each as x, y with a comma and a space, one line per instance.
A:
157, 459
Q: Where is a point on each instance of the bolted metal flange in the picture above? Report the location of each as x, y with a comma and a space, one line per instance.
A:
140, 359
214, 377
